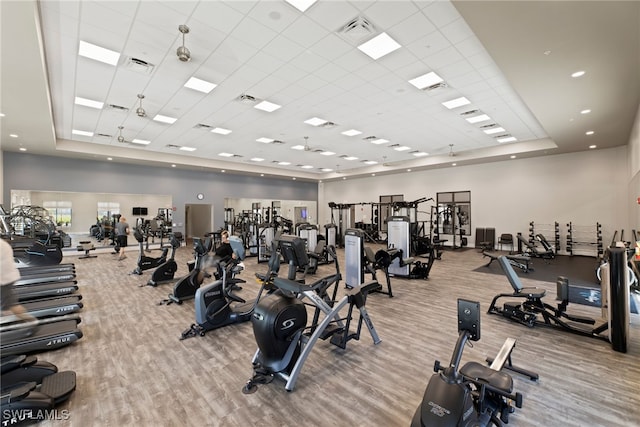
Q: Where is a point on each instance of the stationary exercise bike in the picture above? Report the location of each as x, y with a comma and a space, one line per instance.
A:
213, 302
474, 395
185, 288
165, 272
147, 262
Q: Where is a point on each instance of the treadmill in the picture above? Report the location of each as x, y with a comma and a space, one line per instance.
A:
45, 278
48, 307
54, 269
48, 334
46, 290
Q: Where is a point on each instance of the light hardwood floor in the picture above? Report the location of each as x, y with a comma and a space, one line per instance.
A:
132, 369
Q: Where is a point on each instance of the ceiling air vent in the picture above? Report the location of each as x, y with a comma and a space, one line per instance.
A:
357, 29
277, 141
436, 86
504, 135
470, 112
370, 138
247, 98
491, 125
138, 65
328, 125
202, 126
172, 146
104, 135
117, 107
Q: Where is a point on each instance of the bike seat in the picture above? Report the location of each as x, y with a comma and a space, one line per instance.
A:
496, 379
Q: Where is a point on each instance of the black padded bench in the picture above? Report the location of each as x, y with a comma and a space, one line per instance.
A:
522, 262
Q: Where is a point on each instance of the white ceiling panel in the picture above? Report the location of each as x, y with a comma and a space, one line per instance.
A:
272, 51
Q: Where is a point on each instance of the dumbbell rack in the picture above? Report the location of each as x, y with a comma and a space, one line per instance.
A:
541, 229
583, 236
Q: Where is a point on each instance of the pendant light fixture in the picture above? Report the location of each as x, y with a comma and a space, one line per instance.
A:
183, 53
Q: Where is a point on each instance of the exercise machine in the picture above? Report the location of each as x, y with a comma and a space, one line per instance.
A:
166, 271
43, 335
86, 246
523, 262
185, 288
474, 394
32, 388
213, 302
529, 306
280, 320
533, 250
399, 238
147, 262
359, 260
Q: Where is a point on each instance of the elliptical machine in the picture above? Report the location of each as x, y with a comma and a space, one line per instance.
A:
280, 325
185, 288
213, 301
474, 395
147, 262
165, 272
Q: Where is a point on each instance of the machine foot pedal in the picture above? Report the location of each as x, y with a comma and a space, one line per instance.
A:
59, 386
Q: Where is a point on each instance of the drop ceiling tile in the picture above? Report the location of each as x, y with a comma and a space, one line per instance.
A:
283, 48
273, 14
242, 6
331, 47
159, 15
54, 22
102, 37
308, 61
253, 33
386, 14
443, 58
457, 31
182, 7
305, 32
428, 45
332, 15
353, 60
219, 15
441, 13
94, 14
265, 62
413, 28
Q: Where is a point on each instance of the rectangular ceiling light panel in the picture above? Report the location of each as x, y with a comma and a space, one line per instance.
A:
455, 103
301, 5
164, 119
351, 132
315, 121
200, 85
89, 103
267, 106
221, 131
379, 46
98, 53
426, 80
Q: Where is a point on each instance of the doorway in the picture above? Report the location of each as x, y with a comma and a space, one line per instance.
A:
198, 220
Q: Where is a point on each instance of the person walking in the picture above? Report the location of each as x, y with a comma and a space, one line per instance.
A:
122, 233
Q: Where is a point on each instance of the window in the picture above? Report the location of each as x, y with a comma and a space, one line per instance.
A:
106, 210
60, 212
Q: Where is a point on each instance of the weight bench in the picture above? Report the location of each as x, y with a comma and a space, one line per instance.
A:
535, 251
86, 246
523, 262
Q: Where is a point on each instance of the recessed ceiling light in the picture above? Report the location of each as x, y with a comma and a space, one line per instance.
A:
22, 149
301, 5
80, 132
13, 135
221, 131
298, 147
578, 74
454, 164
589, 132
494, 130
326, 170
223, 171
257, 159
507, 139
2, 114
200, 85
98, 53
478, 119
350, 158
267, 106
265, 140
185, 148
351, 132
173, 166
512, 157
587, 111
327, 153
89, 103
593, 146
164, 119
225, 154
402, 148
426, 80
408, 170
315, 121
294, 178
306, 167
420, 154
284, 163
344, 177
109, 158
455, 103
379, 141
379, 46
141, 141
373, 174
370, 162
261, 174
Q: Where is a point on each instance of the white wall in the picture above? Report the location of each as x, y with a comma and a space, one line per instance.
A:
584, 188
